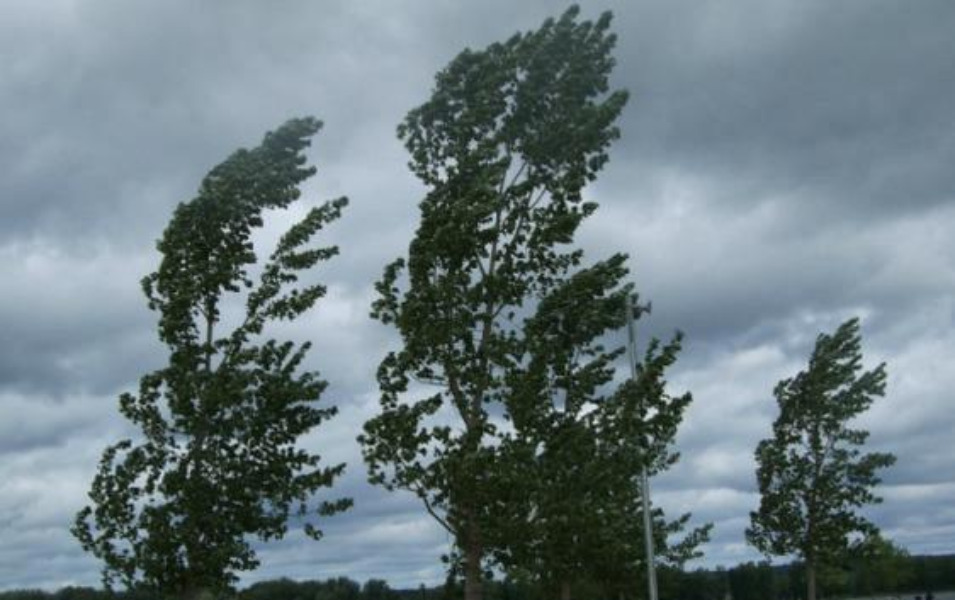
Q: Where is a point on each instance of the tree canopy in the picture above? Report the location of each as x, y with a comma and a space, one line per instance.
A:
217, 460
583, 442
506, 144
812, 474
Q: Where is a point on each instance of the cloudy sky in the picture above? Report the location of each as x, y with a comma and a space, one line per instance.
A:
783, 166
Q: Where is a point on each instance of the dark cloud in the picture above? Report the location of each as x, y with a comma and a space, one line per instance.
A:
844, 104
784, 165
119, 117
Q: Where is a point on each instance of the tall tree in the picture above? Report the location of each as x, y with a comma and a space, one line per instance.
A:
218, 459
506, 143
812, 474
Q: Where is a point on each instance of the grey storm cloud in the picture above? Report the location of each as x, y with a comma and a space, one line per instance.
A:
844, 101
783, 166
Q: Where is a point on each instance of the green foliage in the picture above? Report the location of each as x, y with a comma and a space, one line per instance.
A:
637, 426
693, 585
555, 444
218, 460
752, 581
520, 453
24, 595
879, 565
377, 589
582, 449
812, 475
339, 588
927, 573
76, 593
506, 143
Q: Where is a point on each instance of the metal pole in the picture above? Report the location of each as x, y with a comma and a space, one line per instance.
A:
634, 310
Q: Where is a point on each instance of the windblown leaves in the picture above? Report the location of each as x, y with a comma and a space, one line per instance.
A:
813, 476
218, 460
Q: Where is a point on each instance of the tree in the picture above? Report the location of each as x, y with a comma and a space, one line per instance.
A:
638, 425
582, 449
751, 581
218, 460
377, 589
551, 408
812, 475
506, 143
880, 566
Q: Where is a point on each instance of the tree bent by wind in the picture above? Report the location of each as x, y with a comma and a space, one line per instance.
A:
217, 460
579, 444
813, 476
505, 145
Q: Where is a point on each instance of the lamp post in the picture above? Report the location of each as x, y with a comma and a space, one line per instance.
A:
634, 311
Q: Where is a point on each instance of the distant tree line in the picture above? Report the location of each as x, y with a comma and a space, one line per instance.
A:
896, 574
892, 572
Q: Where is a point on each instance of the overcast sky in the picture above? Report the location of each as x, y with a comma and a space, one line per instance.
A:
783, 166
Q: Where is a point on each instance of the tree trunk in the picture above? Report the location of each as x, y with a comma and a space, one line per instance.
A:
194, 593
810, 580
565, 590
192, 588
473, 574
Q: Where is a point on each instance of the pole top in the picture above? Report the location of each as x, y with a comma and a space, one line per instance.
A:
637, 309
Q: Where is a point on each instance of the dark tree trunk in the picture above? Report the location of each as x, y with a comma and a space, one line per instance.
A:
473, 574
192, 588
565, 590
194, 593
810, 580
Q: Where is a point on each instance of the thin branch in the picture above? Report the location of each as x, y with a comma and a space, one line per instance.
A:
513, 182
427, 504
435, 381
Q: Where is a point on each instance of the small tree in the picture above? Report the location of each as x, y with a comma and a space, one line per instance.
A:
637, 425
812, 475
752, 581
506, 143
583, 447
880, 566
556, 443
218, 459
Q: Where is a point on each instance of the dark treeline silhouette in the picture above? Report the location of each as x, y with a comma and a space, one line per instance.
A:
901, 574
898, 575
